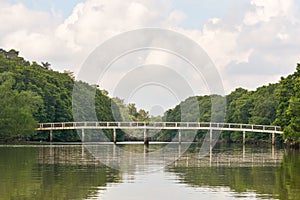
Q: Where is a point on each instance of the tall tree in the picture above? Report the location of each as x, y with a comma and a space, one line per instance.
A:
16, 109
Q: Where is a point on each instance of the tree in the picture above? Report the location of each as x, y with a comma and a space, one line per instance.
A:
16, 110
132, 111
292, 131
143, 115
264, 105
232, 99
243, 105
11, 54
288, 115
46, 65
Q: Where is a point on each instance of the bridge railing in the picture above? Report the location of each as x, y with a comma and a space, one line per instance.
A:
159, 125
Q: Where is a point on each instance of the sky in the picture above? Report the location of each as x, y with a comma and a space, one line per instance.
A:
251, 42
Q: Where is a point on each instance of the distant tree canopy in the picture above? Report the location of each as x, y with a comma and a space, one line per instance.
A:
275, 104
32, 93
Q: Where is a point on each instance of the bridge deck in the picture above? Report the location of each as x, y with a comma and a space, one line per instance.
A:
160, 125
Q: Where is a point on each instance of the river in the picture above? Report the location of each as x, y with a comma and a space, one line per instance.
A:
75, 171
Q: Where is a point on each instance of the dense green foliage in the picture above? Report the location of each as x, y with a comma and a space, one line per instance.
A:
288, 112
275, 104
31, 93
16, 109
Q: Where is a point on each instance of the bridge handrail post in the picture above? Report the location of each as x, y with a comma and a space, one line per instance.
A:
169, 125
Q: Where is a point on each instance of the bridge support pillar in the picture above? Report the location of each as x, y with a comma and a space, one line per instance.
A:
51, 136
244, 137
179, 136
273, 138
82, 135
146, 140
115, 136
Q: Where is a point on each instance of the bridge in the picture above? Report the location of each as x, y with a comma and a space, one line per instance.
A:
160, 126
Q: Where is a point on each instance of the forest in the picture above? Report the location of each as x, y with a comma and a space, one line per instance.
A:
31, 93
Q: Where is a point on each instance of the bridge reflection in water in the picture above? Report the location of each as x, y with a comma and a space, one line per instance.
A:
137, 157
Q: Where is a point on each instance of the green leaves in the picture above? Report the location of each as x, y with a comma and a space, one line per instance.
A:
277, 104
288, 112
16, 109
31, 93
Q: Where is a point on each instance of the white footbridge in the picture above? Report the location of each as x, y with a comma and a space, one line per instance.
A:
268, 129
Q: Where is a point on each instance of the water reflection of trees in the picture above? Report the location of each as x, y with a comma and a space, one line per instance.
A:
231, 155
23, 178
279, 182
71, 172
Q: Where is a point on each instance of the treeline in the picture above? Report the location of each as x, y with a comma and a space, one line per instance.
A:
31, 93
275, 104
279, 182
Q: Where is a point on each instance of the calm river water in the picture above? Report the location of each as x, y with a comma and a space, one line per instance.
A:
75, 172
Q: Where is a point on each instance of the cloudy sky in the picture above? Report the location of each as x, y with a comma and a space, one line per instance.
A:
251, 42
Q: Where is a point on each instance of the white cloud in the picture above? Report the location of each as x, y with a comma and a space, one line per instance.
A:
30, 32
258, 44
175, 18
17, 17
256, 50
265, 10
41, 36
95, 21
